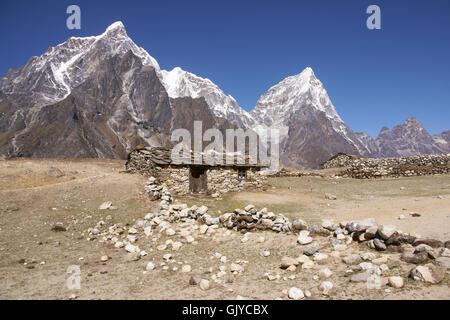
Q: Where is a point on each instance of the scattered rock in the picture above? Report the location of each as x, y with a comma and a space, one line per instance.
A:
56, 172
299, 225
59, 228
330, 196
396, 282
203, 229
368, 256
386, 231
431, 242
326, 287
380, 261
234, 267
429, 250
320, 258
325, 273
134, 256
428, 273
360, 277
443, 262
265, 253
329, 225
397, 240
312, 248
445, 252
361, 225
379, 245
304, 238
186, 268
295, 293
105, 205
286, 262
131, 248
204, 284
415, 258
193, 281
352, 259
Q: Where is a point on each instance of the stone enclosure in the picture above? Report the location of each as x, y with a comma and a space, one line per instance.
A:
184, 178
360, 168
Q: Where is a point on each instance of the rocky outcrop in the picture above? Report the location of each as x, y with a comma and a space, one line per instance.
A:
405, 140
121, 105
311, 130
93, 97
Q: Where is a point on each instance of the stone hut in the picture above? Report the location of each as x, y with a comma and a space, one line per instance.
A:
184, 175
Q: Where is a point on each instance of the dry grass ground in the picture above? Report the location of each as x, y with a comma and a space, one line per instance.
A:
32, 202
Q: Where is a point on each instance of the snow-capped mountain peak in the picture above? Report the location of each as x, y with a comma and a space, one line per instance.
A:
51, 77
118, 25
290, 96
180, 83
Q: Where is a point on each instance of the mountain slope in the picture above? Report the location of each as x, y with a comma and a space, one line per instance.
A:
51, 77
311, 130
407, 139
442, 140
111, 101
100, 96
180, 83
120, 105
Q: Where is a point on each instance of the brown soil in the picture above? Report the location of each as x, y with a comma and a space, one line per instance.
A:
32, 203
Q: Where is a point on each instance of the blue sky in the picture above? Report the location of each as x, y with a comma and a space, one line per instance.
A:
374, 78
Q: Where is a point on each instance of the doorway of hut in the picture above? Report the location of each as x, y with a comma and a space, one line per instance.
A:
198, 180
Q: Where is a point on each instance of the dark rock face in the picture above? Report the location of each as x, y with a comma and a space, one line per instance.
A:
311, 140
122, 104
92, 97
51, 76
442, 140
311, 131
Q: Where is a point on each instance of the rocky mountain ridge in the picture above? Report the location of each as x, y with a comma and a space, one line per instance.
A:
100, 96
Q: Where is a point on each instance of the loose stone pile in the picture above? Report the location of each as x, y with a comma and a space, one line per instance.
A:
390, 167
387, 237
339, 160
157, 191
250, 218
247, 219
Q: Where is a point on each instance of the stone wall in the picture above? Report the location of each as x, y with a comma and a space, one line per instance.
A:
396, 167
176, 179
223, 180
219, 179
339, 160
289, 172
